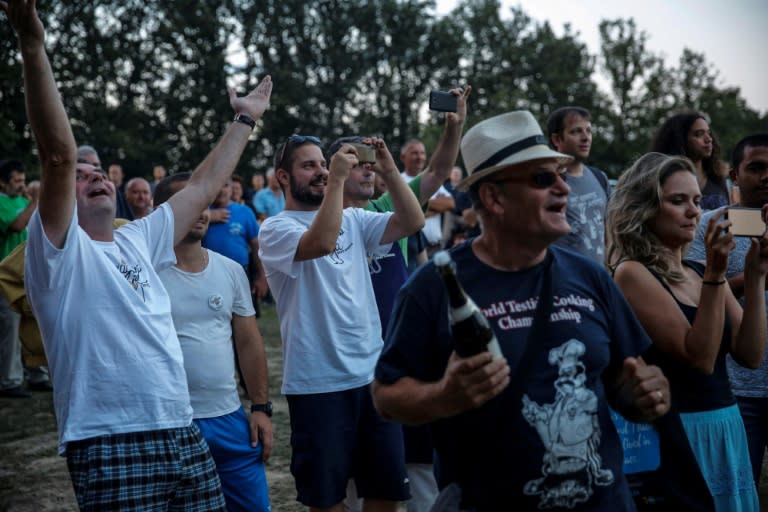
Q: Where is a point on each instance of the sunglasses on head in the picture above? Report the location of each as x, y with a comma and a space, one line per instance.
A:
297, 140
541, 179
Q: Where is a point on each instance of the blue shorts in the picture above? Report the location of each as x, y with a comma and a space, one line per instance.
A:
240, 467
337, 436
156, 470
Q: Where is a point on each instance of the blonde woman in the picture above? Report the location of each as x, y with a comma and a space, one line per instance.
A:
689, 311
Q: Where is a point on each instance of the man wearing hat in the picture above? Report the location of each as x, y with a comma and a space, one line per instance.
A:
501, 431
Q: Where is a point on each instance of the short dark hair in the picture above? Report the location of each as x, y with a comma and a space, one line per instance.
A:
237, 178
556, 120
9, 166
756, 140
284, 153
163, 190
336, 145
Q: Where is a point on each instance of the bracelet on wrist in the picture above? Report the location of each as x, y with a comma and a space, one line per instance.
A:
242, 118
714, 283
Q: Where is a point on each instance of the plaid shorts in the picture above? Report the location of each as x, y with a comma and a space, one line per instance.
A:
168, 470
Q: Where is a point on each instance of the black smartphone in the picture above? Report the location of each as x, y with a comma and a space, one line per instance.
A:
746, 221
442, 101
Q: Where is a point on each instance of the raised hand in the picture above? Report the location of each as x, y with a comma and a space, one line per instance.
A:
343, 161
756, 259
718, 244
256, 102
384, 162
460, 115
24, 19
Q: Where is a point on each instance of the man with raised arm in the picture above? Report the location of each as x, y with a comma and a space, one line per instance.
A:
315, 255
389, 271
120, 394
213, 313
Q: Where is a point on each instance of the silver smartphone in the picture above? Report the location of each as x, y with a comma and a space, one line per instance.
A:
365, 154
746, 221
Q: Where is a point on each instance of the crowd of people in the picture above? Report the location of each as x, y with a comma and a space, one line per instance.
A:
614, 307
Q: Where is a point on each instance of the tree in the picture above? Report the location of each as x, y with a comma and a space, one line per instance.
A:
639, 82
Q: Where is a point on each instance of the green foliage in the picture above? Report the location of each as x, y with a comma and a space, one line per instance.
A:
144, 81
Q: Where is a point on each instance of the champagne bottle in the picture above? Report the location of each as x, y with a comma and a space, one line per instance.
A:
471, 332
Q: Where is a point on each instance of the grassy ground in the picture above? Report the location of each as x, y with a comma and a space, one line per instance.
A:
34, 479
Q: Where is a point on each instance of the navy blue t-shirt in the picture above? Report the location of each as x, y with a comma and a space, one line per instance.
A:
557, 447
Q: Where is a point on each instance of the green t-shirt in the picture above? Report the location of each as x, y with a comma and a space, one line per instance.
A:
384, 204
10, 208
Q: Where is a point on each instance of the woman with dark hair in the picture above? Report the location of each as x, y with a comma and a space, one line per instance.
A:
690, 313
688, 134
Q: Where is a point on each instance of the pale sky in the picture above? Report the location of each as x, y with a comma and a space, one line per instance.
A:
732, 34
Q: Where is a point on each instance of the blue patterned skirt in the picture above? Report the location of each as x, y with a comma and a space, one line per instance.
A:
719, 442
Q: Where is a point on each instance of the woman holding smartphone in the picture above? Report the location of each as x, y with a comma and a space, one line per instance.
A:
689, 311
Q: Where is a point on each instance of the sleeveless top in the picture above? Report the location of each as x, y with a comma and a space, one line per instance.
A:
692, 389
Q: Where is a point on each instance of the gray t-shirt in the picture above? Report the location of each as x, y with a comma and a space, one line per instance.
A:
586, 215
745, 382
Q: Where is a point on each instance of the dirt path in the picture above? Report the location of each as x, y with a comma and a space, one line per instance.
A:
34, 479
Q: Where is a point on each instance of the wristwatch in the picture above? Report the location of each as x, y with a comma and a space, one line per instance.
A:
265, 408
242, 118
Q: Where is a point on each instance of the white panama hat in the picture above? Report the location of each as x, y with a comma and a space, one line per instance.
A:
501, 141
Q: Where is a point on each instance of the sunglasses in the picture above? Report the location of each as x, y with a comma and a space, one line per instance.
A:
543, 179
296, 140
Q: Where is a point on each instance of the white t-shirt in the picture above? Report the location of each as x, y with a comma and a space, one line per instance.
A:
202, 305
106, 323
433, 227
329, 321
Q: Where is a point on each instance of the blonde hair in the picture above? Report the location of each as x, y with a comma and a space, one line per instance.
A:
634, 202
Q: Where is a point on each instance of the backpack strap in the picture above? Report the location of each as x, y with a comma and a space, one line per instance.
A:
601, 178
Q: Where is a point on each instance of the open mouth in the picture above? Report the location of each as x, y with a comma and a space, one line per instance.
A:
98, 192
319, 182
557, 208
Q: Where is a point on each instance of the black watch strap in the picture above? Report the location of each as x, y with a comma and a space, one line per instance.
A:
242, 118
265, 408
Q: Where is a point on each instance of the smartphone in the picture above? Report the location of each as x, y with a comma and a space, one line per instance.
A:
442, 101
365, 154
746, 221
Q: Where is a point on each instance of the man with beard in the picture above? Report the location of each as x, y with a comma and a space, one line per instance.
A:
315, 257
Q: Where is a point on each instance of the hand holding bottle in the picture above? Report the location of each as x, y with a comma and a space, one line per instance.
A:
469, 382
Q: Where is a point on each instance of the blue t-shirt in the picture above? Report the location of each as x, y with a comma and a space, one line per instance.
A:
557, 447
266, 203
586, 216
232, 238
